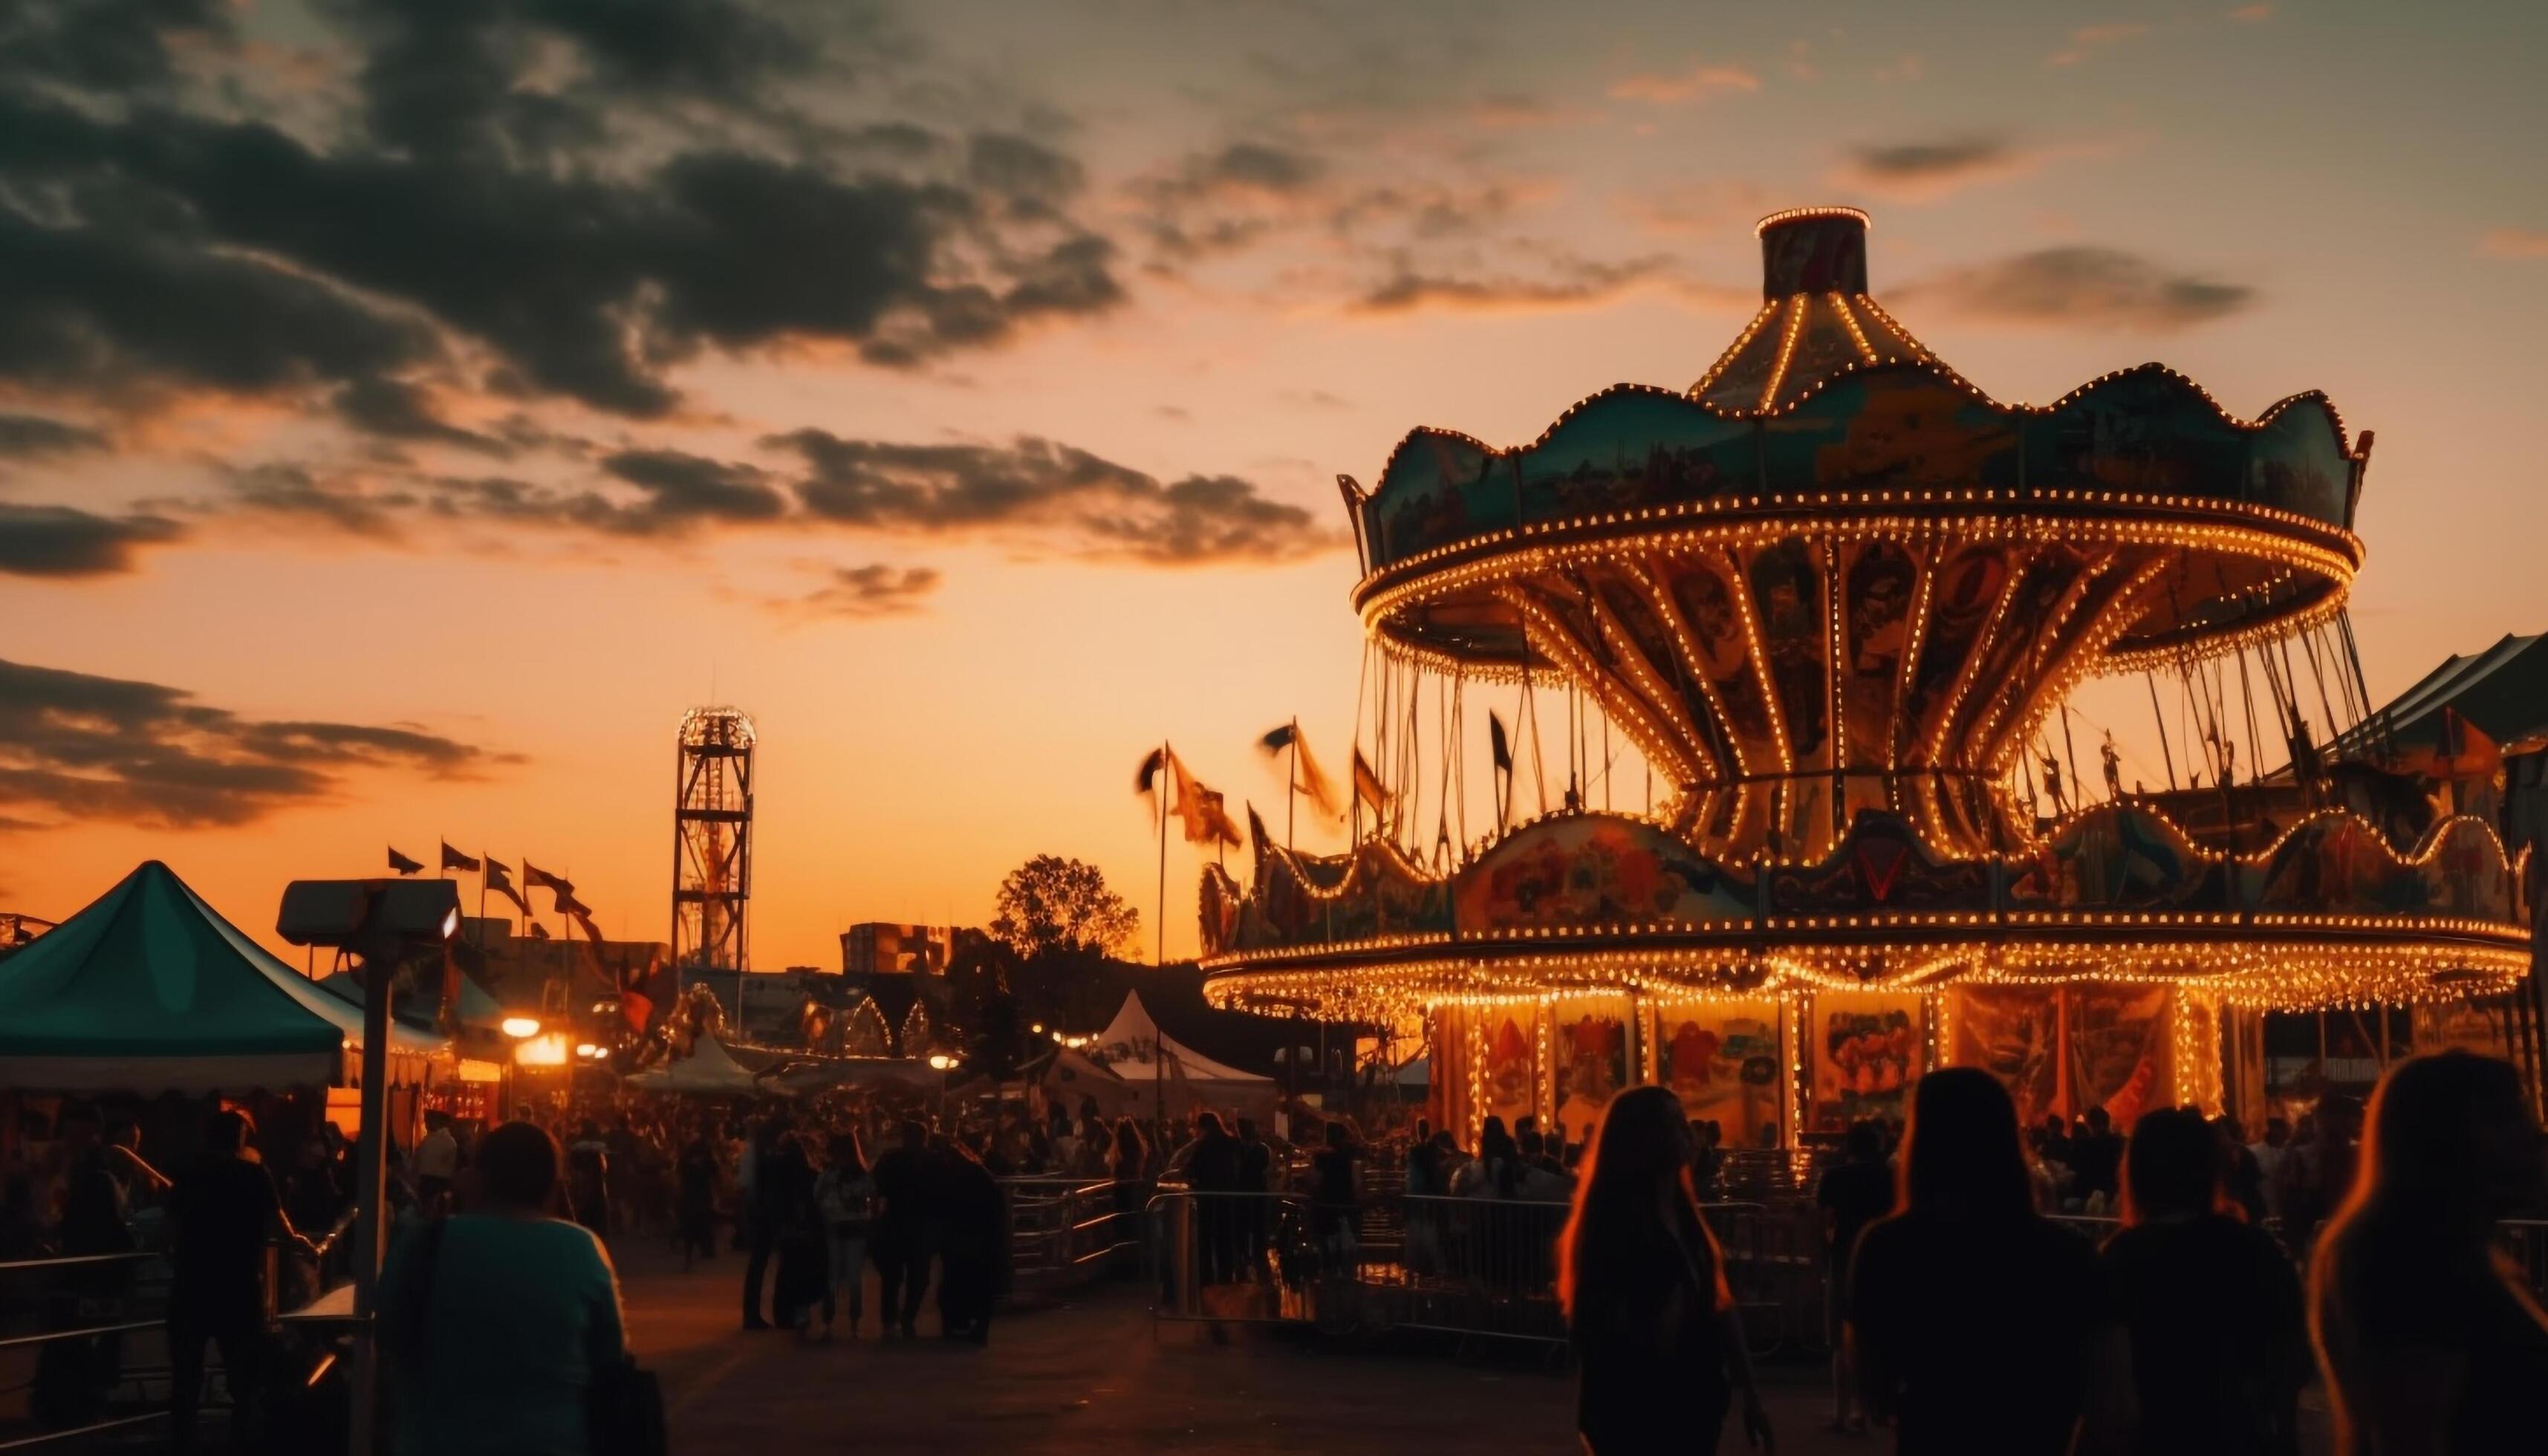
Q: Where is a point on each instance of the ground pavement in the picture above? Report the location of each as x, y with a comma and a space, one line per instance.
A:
1088, 1374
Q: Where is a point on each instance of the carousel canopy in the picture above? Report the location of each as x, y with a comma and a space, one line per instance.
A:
150, 989
708, 1071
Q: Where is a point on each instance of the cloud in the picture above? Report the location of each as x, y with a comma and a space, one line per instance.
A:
30, 436
683, 487
2251, 14
1566, 282
1048, 495
73, 746
2095, 289
858, 592
1925, 170
2513, 243
62, 541
2089, 39
1696, 208
1681, 88
545, 198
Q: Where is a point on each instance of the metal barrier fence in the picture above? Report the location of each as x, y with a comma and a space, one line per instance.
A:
1476, 1267
85, 1311
1064, 1230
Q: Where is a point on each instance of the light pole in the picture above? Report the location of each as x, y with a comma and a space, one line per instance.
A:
381, 921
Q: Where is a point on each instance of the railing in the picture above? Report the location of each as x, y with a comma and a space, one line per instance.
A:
1064, 1230
1475, 1267
79, 1346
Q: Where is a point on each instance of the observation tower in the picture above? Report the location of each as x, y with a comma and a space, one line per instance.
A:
712, 839
1834, 597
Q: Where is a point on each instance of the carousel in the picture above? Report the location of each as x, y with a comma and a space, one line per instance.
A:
1832, 602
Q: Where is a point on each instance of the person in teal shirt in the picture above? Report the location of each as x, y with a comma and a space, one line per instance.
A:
495, 1322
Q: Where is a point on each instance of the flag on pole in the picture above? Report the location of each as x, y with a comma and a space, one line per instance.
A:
1201, 808
454, 859
1146, 780
534, 878
567, 904
1212, 810
1306, 778
401, 864
1368, 787
499, 881
1498, 742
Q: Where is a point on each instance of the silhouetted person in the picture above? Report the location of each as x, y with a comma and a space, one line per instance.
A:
2209, 1304
2317, 1171
495, 1323
753, 1223
972, 1227
1255, 1175
797, 1233
1211, 1171
694, 1201
222, 1215
1853, 1194
1657, 1335
2096, 1160
904, 1208
1972, 1317
587, 1165
2427, 1342
2243, 1177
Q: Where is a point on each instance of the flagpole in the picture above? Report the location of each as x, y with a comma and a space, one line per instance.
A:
1290, 782
1167, 777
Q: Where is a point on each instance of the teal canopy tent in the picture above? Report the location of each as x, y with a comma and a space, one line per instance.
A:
151, 990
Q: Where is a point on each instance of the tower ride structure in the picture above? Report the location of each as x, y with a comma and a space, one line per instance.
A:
1837, 597
712, 839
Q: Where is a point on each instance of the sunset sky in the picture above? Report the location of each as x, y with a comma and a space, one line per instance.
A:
407, 408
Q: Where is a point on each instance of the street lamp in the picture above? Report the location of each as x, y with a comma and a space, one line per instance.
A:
381, 921
520, 1027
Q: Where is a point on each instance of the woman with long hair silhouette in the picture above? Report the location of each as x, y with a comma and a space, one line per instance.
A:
1973, 1320
2428, 1341
1657, 1335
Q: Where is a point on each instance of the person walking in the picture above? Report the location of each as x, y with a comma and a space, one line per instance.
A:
223, 1212
695, 1205
904, 1208
2428, 1341
495, 1322
437, 1162
797, 1232
1973, 1320
752, 1225
2207, 1302
588, 1164
1658, 1337
844, 1195
973, 1236
1852, 1195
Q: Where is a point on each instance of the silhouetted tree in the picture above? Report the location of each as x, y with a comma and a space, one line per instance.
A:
1052, 908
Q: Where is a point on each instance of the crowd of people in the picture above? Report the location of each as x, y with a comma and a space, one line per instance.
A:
1970, 1315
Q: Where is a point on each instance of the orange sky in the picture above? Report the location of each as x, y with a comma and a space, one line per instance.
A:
1468, 218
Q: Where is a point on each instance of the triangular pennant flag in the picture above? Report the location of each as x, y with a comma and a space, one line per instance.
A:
454, 859
498, 881
401, 864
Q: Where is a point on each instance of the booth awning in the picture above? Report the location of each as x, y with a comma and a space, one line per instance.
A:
708, 1071
148, 989
1134, 1039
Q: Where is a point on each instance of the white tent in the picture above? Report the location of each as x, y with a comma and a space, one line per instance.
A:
708, 1071
1133, 1039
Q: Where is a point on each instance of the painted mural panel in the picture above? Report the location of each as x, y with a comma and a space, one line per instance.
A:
1593, 870
1704, 593
2012, 1032
2483, 1025
1721, 1059
1967, 588
1507, 1057
1865, 1049
2464, 872
1899, 429
1635, 448
2119, 1049
1590, 1047
1786, 584
2297, 463
1437, 489
2144, 430
2118, 856
2007, 658
1879, 579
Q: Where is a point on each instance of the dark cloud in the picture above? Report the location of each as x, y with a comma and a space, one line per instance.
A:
1053, 495
73, 746
30, 435
1561, 282
875, 589
399, 411
2087, 288
687, 487
60, 541
1906, 160
667, 197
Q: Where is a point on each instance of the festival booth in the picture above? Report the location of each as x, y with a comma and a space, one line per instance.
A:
1837, 600
482, 1051
710, 1070
1159, 1074
149, 991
